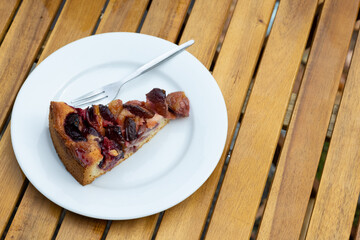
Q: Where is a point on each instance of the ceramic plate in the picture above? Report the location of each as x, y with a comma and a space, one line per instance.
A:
165, 171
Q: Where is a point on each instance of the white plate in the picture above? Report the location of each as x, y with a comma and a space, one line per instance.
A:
165, 171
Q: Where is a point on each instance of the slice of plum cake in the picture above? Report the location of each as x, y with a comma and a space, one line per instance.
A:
92, 141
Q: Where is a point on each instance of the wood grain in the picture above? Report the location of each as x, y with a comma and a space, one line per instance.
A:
7, 11
29, 222
122, 16
74, 226
233, 71
205, 26
305, 137
141, 228
164, 22
10, 175
243, 185
339, 188
20, 46
77, 20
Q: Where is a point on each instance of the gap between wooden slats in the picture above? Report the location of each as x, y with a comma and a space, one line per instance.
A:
340, 182
240, 195
297, 166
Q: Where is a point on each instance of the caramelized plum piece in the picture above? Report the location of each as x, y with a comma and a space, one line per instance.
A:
130, 129
114, 133
156, 100
71, 127
90, 115
178, 104
106, 113
138, 110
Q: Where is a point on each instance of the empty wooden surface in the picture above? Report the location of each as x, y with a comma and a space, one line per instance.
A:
75, 225
77, 19
205, 26
122, 16
233, 72
241, 191
339, 188
165, 21
7, 11
142, 228
29, 222
296, 169
10, 175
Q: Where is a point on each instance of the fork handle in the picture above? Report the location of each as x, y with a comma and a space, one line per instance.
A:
153, 63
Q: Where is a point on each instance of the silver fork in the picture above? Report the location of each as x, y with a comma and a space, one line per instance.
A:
111, 90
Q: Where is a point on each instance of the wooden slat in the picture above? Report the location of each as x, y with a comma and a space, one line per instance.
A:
241, 192
7, 11
20, 46
77, 20
141, 228
296, 169
233, 71
75, 226
339, 188
166, 24
205, 26
122, 16
32, 223
10, 175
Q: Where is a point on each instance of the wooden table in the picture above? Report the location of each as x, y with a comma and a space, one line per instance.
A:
271, 70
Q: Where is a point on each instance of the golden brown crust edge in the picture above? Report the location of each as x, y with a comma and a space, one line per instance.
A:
66, 155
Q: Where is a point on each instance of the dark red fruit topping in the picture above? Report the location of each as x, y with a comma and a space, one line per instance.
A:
156, 95
108, 147
82, 112
90, 115
114, 133
156, 100
178, 104
106, 114
130, 129
71, 126
139, 111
